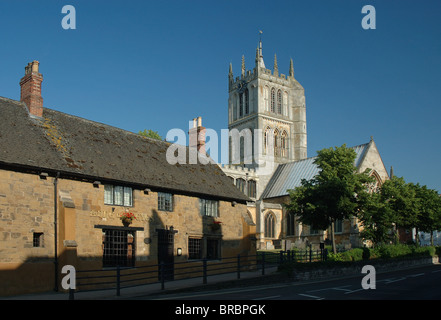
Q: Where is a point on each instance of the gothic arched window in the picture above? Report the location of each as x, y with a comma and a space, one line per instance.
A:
290, 224
270, 225
284, 144
240, 184
251, 188
276, 143
279, 102
273, 100
266, 140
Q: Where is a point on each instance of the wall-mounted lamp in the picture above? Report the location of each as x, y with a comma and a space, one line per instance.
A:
233, 203
96, 184
43, 175
147, 190
179, 252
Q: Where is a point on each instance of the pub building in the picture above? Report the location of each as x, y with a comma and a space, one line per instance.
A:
66, 184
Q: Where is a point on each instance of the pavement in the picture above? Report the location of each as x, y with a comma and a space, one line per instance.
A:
155, 289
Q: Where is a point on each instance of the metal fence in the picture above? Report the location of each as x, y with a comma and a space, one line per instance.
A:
118, 278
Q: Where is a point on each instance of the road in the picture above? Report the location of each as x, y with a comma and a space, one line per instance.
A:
419, 283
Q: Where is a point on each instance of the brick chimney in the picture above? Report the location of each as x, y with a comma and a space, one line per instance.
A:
197, 135
31, 89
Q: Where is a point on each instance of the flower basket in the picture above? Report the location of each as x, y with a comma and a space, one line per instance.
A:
216, 225
127, 218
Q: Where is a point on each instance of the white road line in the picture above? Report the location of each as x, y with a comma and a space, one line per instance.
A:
396, 280
309, 296
354, 291
267, 298
436, 271
332, 288
341, 289
416, 275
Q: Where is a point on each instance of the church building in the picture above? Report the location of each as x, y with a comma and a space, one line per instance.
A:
271, 106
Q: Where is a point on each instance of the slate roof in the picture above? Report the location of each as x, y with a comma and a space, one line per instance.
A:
289, 175
77, 147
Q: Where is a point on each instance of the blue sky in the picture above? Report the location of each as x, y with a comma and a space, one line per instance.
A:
158, 64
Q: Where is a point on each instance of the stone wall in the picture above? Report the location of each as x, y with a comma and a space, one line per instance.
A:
27, 207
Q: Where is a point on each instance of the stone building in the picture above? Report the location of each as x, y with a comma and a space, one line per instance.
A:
270, 107
282, 229
65, 182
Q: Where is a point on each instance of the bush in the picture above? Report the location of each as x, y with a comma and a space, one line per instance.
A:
401, 250
347, 258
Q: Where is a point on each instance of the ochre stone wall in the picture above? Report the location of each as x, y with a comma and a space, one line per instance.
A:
27, 206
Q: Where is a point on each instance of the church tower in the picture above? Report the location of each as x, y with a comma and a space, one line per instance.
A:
274, 103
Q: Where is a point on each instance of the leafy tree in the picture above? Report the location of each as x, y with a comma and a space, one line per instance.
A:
400, 198
337, 192
150, 134
400, 204
377, 220
429, 207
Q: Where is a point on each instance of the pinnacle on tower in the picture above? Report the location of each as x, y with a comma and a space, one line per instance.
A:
230, 72
259, 56
276, 68
291, 69
243, 66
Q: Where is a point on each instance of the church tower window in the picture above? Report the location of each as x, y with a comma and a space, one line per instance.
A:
284, 144
279, 102
273, 100
266, 141
276, 143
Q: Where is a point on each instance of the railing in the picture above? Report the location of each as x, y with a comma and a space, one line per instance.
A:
119, 278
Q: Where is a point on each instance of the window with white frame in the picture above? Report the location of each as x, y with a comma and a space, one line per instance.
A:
165, 201
209, 207
118, 195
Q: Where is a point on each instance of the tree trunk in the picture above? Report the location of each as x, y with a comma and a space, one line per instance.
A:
334, 249
431, 238
417, 237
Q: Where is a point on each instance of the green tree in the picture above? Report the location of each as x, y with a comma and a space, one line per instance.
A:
429, 207
150, 134
400, 199
337, 192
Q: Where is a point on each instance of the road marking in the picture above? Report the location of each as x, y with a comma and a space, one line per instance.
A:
436, 271
396, 280
332, 288
416, 275
267, 298
341, 289
309, 296
354, 291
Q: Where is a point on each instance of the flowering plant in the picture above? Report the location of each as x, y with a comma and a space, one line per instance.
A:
127, 216
216, 225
